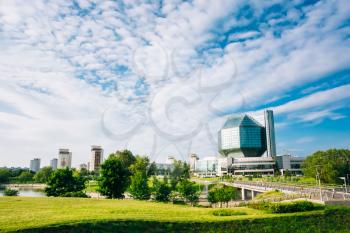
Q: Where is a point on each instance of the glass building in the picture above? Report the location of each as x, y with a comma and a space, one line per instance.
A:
248, 135
206, 167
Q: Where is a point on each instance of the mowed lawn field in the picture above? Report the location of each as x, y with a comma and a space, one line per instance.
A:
48, 214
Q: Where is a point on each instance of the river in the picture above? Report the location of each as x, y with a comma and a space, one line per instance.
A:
27, 192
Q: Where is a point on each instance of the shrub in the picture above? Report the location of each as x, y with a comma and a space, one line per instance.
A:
285, 207
228, 212
10, 192
75, 194
188, 191
261, 205
161, 192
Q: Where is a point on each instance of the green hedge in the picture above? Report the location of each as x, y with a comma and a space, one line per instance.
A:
228, 212
285, 207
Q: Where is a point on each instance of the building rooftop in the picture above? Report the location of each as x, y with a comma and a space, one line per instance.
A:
240, 120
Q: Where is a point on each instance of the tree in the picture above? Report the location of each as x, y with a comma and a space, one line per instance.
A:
331, 165
139, 188
42, 176
114, 178
4, 175
139, 180
222, 194
63, 181
126, 157
188, 190
161, 190
180, 172
25, 177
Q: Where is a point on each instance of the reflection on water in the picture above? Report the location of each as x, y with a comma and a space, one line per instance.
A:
28, 192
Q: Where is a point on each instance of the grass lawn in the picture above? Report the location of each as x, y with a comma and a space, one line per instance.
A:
50, 214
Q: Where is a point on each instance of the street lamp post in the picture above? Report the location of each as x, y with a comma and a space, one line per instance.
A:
346, 189
319, 182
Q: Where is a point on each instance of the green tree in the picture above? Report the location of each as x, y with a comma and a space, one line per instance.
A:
180, 172
222, 194
114, 178
63, 181
26, 177
161, 190
126, 157
42, 176
331, 165
139, 187
4, 175
189, 191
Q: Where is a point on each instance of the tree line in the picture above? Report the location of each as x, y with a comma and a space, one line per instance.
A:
124, 173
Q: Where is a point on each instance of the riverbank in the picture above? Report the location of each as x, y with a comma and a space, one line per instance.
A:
104, 215
25, 186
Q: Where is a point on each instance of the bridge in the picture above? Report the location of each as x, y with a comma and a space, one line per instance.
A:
249, 189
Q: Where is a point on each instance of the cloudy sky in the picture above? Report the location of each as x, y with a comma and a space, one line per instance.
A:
160, 77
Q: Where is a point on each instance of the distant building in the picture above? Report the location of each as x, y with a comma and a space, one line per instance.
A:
193, 160
289, 163
64, 158
53, 163
170, 159
206, 167
247, 135
34, 165
96, 158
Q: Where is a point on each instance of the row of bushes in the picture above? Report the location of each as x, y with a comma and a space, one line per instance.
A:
285, 207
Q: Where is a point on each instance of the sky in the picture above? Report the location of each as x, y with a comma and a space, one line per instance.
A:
160, 77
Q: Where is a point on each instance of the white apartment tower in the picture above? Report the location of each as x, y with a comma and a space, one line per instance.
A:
35, 164
53, 163
64, 158
96, 158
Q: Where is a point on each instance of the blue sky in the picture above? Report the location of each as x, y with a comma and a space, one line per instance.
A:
161, 77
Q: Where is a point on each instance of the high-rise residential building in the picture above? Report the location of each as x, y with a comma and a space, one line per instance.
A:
193, 159
96, 158
53, 163
248, 135
170, 159
34, 165
64, 158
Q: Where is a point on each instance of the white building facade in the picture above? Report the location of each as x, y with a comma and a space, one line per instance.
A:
64, 158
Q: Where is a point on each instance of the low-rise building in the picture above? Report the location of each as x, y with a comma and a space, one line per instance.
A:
289, 163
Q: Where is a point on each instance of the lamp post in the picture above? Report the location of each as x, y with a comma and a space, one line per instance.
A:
319, 182
344, 178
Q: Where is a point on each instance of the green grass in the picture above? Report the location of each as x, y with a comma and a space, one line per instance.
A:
270, 195
48, 214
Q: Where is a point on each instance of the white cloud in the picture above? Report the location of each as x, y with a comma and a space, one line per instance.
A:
62, 70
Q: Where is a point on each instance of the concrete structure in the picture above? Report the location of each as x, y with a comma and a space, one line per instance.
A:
34, 165
192, 161
96, 158
251, 165
53, 163
289, 163
170, 159
64, 158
